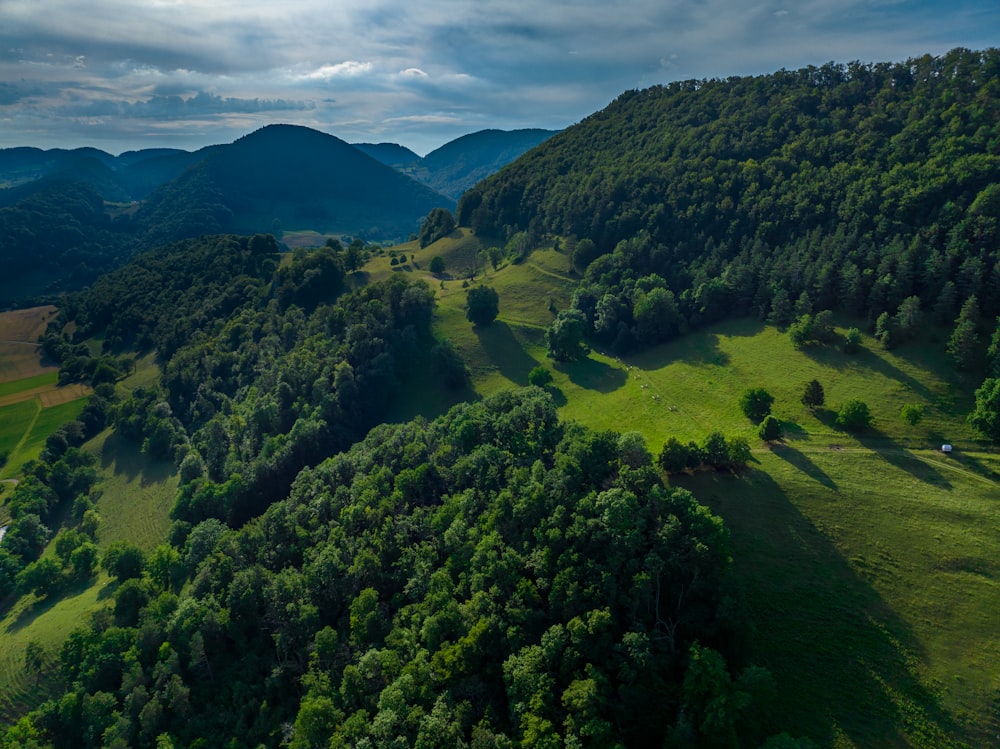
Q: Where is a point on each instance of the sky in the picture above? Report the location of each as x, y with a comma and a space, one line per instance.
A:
128, 74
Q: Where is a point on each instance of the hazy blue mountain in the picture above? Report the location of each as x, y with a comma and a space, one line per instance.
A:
390, 154
459, 164
289, 177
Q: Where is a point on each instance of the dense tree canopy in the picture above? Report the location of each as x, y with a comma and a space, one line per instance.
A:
860, 185
490, 578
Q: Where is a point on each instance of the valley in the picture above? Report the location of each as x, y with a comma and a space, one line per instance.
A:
291, 494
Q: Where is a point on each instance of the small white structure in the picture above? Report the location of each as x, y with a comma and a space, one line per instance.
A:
946, 448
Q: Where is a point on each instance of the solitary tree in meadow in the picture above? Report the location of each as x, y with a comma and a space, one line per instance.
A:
770, 429
482, 305
813, 396
756, 403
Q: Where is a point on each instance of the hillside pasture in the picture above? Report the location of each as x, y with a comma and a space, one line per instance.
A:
866, 561
136, 493
49, 623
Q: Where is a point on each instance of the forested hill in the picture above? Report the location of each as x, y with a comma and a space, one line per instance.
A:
859, 184
285, 176
459, 164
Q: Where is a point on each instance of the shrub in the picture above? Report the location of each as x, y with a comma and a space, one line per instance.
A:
756, 404
770, 429
539, 377
854, 416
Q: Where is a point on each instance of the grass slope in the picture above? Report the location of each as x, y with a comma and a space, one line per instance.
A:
868, 562
136, 495
34, 422
47, 622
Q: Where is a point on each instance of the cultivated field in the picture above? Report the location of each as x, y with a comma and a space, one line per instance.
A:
32, 404
20, 354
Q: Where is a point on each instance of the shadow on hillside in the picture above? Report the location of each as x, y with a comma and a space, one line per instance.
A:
836, 359
591, 374
901, 458
845, 663
694, 349
504, 350
125, 458
802, 462
795, 431
42, 605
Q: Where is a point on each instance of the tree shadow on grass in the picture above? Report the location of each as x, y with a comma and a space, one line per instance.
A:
693, 349
843, 660
127, 460
865, 359
505, 351
901, 458
802, 462
795, 431
593, 374
41, 605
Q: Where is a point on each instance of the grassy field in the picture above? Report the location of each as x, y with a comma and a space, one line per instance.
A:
868, 563
136, 493
47, 622
135, 499
27, 424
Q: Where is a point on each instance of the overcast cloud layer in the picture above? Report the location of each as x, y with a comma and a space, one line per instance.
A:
125, 74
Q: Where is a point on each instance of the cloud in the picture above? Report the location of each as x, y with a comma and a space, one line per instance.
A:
420, 70
346, 69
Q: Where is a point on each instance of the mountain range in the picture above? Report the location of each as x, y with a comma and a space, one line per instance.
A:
281, 177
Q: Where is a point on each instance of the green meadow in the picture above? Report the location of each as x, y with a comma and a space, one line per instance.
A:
26, 425
866, 563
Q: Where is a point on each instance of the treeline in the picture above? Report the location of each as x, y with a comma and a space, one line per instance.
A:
494, 578
266, 369
57, 489
855, 185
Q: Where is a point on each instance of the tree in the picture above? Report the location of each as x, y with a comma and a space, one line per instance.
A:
813, 396
42, 578
756, 403
852, 341
123, 560
34, 659
539, 376
912, 413
770, 429
482, 305
449, 365
564, 337
908, 317
439, 223
993, 353
964, 342
675, 456
854, 415
986, 415
885, 330
584, 254
437, 265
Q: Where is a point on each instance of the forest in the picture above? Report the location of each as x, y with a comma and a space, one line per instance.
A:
495, 575
844, 187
